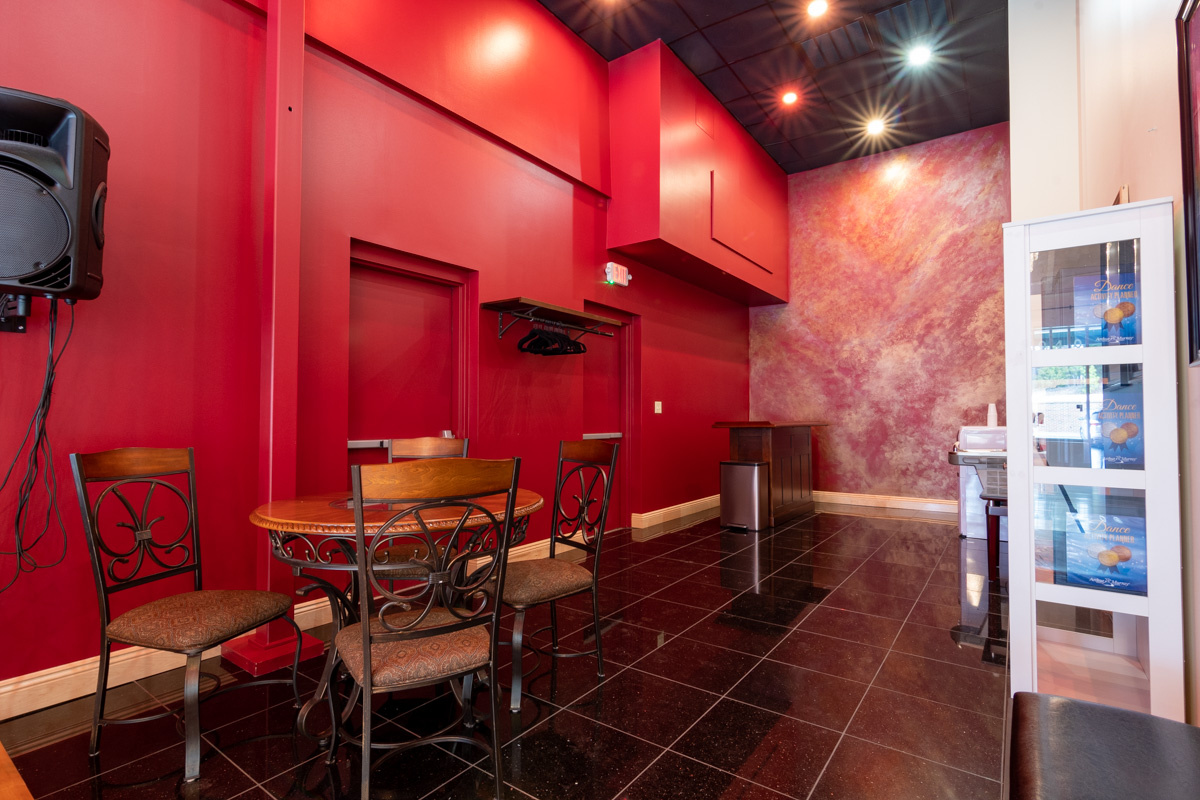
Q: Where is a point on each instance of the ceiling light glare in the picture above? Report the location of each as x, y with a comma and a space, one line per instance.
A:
875, 127
817, 8
790, 98
919, 55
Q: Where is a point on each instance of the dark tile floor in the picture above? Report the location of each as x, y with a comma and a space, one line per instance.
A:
838, 657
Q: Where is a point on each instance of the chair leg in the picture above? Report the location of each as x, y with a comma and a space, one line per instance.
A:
596, 622
493, 692
468, 701
365, 783
296, 660
101, 693
517, 643
335, 720
191, 718
553, 627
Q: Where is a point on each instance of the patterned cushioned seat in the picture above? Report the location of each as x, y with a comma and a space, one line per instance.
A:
396, 664
541, 580
194, 621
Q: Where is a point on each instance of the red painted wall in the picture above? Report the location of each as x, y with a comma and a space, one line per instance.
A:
693, 193
502, 65
401, 356
895, 333
170, 353
683, 328
525, 231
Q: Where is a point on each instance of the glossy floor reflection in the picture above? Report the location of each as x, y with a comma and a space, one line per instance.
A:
838, 657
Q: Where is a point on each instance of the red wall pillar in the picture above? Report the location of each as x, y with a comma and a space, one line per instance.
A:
272, 645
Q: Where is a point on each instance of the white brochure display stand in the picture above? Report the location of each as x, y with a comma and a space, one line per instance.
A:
1093, 458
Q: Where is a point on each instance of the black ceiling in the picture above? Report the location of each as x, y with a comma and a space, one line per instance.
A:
848, 65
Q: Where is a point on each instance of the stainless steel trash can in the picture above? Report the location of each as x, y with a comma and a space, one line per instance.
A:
744, 495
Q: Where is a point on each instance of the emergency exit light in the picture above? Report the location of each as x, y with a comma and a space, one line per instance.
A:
616, 274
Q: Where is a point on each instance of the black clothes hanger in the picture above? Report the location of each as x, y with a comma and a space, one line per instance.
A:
545, 340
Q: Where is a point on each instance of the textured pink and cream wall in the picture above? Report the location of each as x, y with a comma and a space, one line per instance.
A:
895, 329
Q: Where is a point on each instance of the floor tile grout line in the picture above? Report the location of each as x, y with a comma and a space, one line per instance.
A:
644, 656
273, 776
735, 685
656, 555
236, 766
203, 735
717, 701
850, 720
951, 705
84, 725
686, 730
733, 774
622, 792
879, 669
926, 759
699, 567
458, 775
467, 764
558, 708
724, 696
323, 752
937, 702
755, 706
95, 775
318, 755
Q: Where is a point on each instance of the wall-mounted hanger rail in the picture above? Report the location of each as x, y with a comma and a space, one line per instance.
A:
519, 308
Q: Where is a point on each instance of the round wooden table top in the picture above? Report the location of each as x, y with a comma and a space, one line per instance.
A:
332, 513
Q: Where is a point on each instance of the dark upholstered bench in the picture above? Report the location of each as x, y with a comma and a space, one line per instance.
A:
1064, 749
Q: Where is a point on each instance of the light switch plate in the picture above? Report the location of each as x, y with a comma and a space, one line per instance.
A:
658, 406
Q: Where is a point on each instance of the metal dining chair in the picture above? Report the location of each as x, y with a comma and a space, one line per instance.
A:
582, 490
391, 562
442, 624
139, 514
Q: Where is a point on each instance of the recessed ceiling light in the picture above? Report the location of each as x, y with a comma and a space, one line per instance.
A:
875, 127
919, 55
817, 8
789, 98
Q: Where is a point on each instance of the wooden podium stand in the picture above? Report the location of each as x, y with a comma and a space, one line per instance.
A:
787, 448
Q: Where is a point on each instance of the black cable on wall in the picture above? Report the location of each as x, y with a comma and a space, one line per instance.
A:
39, 471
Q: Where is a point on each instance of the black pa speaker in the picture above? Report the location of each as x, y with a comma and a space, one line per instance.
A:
53, 166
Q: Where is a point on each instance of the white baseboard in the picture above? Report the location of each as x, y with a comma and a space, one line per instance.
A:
673, 513
530, 551
886, 501
37, 690
940, 507
26, 693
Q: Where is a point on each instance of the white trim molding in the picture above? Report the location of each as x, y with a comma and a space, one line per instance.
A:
673, 513
49, 687
886, 501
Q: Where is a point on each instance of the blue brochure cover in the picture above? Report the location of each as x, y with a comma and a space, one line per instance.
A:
1107, 551
1108, 309
1122, 435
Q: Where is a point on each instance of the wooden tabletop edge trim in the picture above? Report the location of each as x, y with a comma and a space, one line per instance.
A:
341, 522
